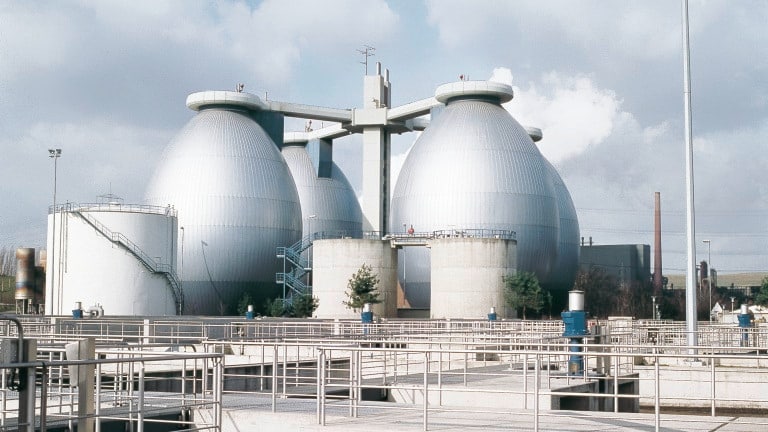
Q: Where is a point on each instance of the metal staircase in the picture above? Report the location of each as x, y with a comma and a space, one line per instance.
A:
297, 265
153, 266
296, 269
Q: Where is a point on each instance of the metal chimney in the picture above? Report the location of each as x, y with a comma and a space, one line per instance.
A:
657, 281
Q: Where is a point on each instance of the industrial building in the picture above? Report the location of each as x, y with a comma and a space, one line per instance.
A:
249, 202
625, 263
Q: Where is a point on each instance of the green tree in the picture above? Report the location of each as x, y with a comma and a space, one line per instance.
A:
523, 291
276, 307
362, 288
304, 305
761, 297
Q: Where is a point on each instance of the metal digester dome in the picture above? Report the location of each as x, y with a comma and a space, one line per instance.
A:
475, 167
328, 202
236, 202
567, 262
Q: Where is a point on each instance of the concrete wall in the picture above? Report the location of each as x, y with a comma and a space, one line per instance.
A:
334, 263
467, 276
736, 387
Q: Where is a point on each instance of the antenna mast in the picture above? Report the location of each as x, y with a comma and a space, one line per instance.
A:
367, 52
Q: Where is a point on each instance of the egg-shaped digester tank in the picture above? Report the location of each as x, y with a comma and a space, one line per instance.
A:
236, 202
566, 264
475, 167
329, 205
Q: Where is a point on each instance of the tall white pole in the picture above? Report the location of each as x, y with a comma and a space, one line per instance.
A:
690, 280
53, 154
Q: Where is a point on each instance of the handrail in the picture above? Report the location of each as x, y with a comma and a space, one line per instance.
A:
115, 207
110, 366
20, 329
293, 256
292, 282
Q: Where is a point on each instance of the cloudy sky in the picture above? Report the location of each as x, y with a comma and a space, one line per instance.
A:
106, 82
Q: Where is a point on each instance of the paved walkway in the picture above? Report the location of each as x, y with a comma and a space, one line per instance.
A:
252, 412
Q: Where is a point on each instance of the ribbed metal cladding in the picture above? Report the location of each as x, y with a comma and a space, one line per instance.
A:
236, 202
476, 167
331, 200
567, 262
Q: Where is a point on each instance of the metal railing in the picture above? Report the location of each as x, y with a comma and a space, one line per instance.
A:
115, 207
132, 386
498, 376
195, 329
422, 367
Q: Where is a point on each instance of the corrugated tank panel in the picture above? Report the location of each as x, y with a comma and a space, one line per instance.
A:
332, 200
567, 261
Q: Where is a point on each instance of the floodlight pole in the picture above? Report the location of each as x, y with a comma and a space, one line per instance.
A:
690, 280
54, 154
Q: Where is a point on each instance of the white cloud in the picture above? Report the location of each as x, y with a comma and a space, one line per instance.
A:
502, 75
616, 29
572, 112
267, 40
32, 38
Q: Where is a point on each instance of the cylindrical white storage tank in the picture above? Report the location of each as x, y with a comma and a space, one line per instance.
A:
121, 257
328, 203
475, 167
337, 260
468, 276
236, 199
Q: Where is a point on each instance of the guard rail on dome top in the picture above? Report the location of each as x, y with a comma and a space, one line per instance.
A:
115, 207
451, 233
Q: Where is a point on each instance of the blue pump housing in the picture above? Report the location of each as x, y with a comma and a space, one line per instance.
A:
575, 329
744, 321
575, 323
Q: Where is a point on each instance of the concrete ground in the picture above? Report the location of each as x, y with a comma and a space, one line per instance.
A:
253, 412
